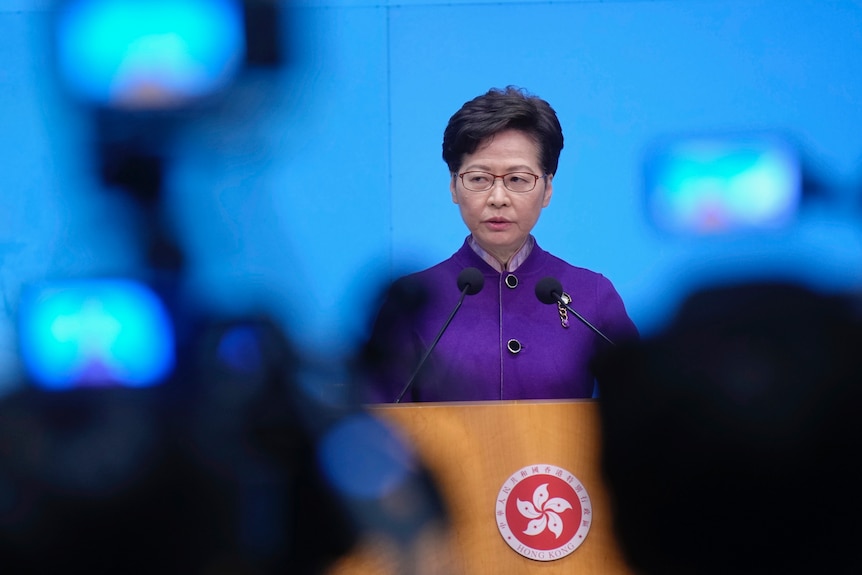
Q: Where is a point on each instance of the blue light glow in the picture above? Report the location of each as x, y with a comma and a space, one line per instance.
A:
362, 458
239, 349
149, 54
708, 186
95, 332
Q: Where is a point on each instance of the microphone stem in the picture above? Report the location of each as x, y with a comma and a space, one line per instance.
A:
433, 344
582, 318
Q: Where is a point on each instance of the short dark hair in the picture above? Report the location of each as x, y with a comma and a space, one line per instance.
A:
498, 110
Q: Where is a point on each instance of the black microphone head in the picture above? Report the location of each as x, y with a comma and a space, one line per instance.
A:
471, 281
547, 288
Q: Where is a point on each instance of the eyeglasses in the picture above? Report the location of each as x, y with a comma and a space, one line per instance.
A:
517, 182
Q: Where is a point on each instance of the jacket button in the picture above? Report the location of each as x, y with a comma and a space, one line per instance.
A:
514, 346
511, 281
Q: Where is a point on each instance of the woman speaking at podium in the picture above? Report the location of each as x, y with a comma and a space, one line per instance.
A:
475, 327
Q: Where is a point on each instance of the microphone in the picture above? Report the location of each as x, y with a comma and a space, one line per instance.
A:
549, 290
470, 282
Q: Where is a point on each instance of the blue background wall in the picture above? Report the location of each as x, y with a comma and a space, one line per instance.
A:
317, 183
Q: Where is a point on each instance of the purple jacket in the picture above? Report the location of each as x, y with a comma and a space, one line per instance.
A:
473, 360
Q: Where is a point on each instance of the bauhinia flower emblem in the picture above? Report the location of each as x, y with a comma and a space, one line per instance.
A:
543, 512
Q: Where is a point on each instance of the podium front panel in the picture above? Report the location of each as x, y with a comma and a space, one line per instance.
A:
473, 449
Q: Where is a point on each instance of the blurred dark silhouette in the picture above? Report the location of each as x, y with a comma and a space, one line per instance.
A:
232, 465
228, 467
730, 440
211, 472
399, 304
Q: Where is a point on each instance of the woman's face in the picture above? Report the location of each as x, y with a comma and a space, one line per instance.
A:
500, 220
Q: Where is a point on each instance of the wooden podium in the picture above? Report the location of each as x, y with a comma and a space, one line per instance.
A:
473, 448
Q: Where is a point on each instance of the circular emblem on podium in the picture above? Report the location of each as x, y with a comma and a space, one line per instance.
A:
543, 512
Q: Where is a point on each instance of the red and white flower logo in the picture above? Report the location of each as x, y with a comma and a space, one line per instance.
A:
543, 512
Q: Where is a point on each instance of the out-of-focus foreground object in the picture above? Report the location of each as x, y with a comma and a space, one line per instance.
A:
714, 184
730, 439
91, 332
153, 55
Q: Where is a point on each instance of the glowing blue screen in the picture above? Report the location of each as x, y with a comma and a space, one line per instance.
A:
149, 54
716, 185
95, 333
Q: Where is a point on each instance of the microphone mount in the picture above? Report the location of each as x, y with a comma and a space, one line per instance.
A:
550, 291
